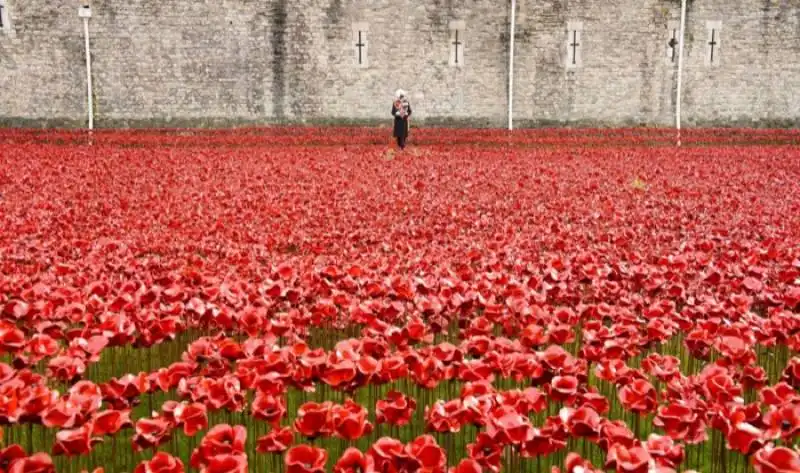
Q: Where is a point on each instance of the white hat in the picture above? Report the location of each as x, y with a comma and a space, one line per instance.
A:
400, 93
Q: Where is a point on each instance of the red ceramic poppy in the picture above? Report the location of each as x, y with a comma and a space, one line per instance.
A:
11, 454
776, 460
753, 377
12, 339
340, 373
467, 465
778, 395
167, 379
664, 450
161, 463
791, 374
75, 442
563, 388
662, 367
314, 419
638, 396
353, 461
591, 398
735, 350
720, 384
87, 395
628, 460
41, 346
486, 452
16, 309
615, 433
388, 454
783, 421
151, 433
428, 373
110, 422
395, 409
575, 464
126, 389
89, 348
391, 368
226, 463
560, 334
349, 420
445, 416
506, 426
427, 454
223, 393
617, 372
194, 418
62, 414
698, 342
583, 422
305, 459
277, 441
744, 437
549, 439
415, 330
221, 441
268, 408
36, 463
66, 368
533, 336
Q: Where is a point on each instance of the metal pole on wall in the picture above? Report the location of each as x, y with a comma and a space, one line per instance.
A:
511, 65
85, 12
680, 72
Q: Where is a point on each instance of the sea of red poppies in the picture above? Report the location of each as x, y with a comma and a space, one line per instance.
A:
307, 301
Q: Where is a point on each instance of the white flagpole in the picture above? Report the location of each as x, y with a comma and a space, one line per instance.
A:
511, 65
85, 12
680, 72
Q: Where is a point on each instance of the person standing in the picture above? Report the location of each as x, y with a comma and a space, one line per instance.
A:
401, 111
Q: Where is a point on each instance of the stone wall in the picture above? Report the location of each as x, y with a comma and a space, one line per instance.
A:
206, 62
42, 74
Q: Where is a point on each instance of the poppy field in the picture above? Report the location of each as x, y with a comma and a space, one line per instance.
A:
307, 301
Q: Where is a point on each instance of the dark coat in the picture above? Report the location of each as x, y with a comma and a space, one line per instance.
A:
400, 124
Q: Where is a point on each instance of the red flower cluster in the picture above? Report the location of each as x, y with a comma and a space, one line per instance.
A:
347, 421
526, 296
